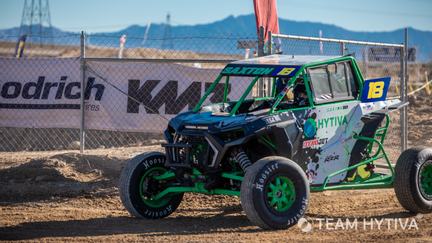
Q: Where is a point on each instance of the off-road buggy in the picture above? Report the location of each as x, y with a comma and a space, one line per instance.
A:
320, 126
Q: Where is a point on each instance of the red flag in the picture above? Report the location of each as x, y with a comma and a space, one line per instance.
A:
266, 16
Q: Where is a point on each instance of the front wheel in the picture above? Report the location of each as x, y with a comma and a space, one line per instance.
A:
413, 179
274, 193
138, 187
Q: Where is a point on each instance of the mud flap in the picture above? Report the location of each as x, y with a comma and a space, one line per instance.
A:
371, 123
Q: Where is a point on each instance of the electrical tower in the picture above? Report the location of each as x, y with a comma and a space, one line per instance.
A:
36, 21
167, 42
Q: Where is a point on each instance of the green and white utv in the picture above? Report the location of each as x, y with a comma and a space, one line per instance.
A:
320, 126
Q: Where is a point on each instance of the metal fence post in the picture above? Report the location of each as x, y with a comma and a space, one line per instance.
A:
365, 61
342, 48
268, 81
83, 81
261, 53
261, 41
269, 43
404, 95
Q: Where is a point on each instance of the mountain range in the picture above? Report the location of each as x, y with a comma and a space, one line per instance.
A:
222, 36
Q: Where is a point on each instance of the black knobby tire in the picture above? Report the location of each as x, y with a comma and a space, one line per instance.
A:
136, 176
255, 193
407, 184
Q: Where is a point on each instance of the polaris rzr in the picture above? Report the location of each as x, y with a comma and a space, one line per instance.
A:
317, 125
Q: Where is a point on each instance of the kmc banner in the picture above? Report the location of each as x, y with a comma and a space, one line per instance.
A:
46, 93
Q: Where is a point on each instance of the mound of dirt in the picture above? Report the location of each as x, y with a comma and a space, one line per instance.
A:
65, 175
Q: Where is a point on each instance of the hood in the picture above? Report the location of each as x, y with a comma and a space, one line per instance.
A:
207, 119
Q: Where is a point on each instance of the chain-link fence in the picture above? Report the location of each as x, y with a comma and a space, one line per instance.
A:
156, 77
146, 77
37, 60
153, 67
390, 61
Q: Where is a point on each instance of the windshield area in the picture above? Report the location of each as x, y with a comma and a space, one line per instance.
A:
242, 94
255, 95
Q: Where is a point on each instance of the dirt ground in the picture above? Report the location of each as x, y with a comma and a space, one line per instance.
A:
66, 196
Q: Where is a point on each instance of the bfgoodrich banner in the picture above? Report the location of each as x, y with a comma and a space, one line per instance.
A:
46, 93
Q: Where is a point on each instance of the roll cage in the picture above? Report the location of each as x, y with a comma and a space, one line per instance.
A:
289, 70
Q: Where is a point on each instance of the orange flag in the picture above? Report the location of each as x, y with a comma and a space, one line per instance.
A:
266, 16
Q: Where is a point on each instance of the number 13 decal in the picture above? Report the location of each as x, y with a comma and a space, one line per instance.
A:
375, 89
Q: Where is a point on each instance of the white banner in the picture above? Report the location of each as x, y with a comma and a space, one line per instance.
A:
45, 93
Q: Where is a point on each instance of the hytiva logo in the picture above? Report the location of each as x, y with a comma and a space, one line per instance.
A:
168, 96
310, 128
333, 121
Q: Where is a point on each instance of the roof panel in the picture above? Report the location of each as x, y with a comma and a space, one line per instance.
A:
283, 60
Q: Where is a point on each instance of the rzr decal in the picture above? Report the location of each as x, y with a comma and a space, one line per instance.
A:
331, 157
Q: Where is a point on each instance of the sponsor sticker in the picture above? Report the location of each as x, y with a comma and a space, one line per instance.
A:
314, 142
375, 89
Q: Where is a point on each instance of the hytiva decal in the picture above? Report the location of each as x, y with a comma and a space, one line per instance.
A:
333, 121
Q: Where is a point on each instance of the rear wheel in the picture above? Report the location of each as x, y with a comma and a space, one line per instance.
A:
274, 193
413, 179
138, 187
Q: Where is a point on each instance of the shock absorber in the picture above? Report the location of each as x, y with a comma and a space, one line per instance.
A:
241, 157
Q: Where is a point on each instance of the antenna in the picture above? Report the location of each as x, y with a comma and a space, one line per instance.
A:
167, 41
36, 20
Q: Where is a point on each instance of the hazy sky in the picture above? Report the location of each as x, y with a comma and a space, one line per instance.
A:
107, 15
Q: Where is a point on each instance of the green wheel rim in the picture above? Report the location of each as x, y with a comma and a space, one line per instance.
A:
426, 180
281, 193
143, 186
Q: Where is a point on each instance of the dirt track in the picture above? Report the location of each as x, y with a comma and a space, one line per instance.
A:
199, 218
67, 196
64, 196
